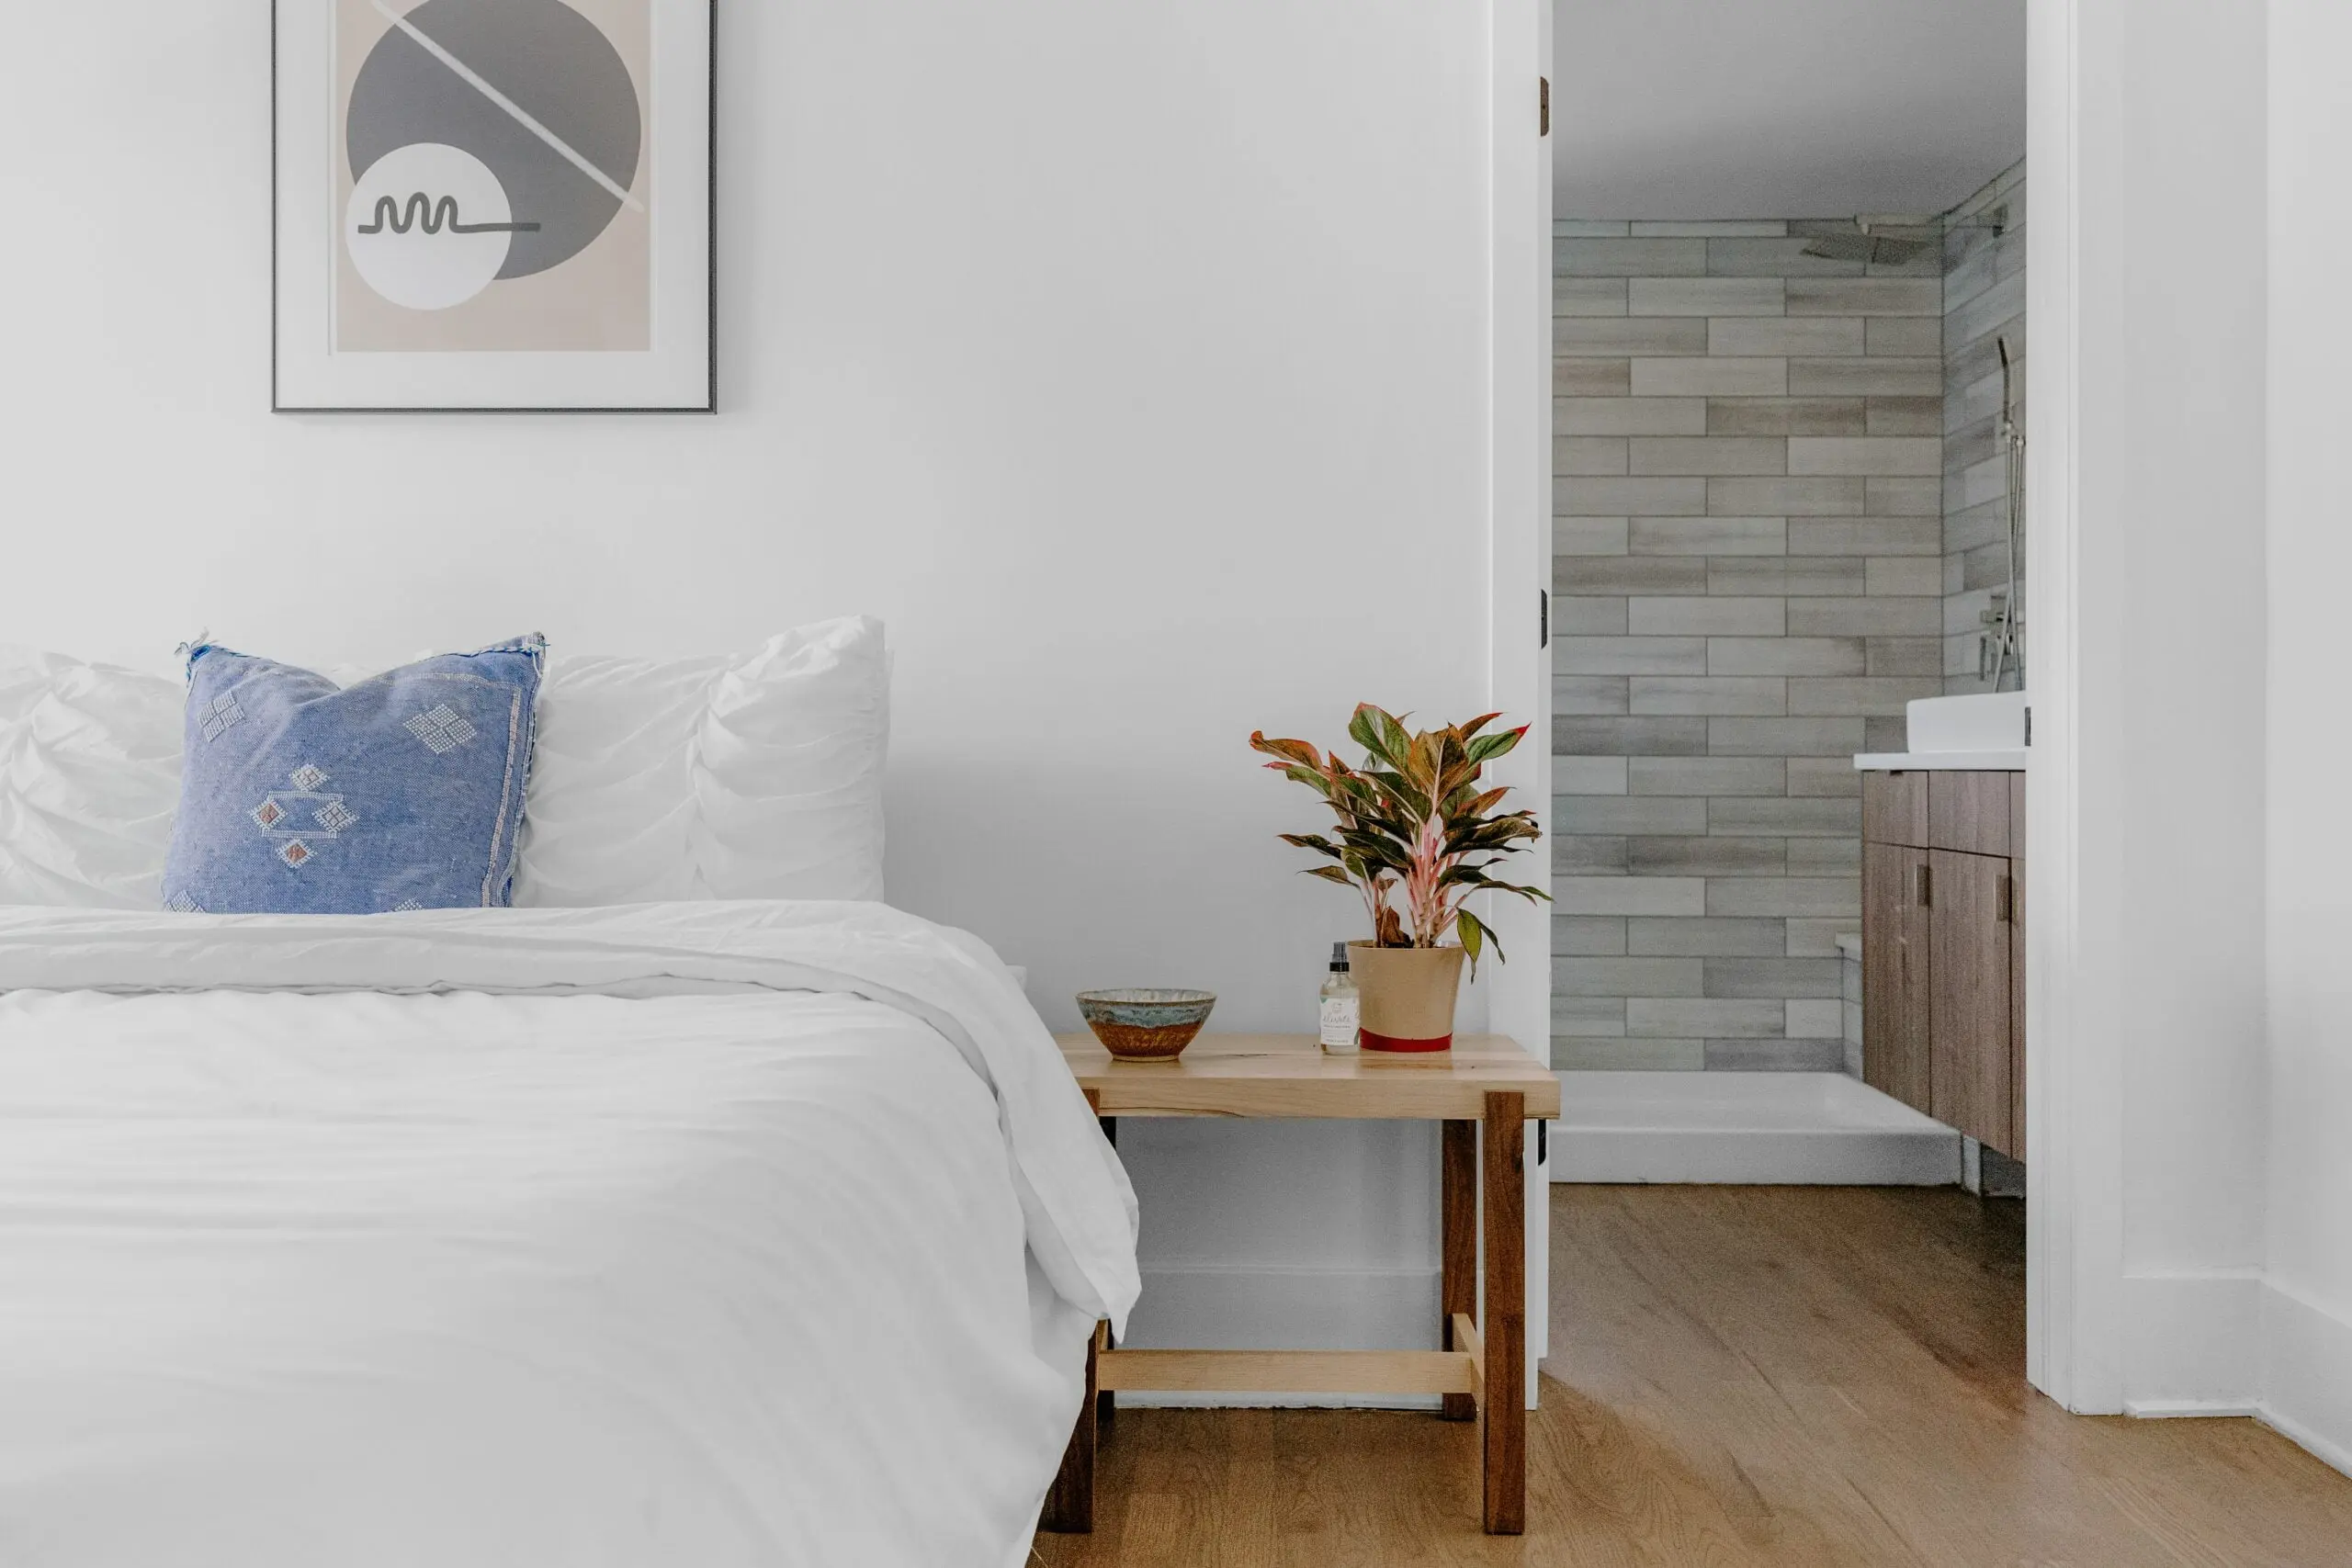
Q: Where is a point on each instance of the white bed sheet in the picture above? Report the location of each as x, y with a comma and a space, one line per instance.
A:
681, 1234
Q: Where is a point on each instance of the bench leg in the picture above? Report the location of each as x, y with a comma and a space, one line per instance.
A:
1458, 1288
1069, 1503
1503, 1325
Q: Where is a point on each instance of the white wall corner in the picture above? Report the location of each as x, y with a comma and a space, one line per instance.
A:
2193, 1343
2307, 1374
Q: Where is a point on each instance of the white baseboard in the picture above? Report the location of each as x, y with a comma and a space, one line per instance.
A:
2192, 1343
1230, 1305
2307, 1374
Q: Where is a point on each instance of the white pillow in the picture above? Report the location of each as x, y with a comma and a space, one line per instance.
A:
755, 776
89, 781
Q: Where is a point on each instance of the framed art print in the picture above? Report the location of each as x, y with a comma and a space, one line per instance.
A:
493, 205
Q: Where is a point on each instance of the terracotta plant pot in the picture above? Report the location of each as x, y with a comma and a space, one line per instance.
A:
1408, 995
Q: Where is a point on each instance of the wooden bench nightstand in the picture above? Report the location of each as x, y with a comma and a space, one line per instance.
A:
1482, 1369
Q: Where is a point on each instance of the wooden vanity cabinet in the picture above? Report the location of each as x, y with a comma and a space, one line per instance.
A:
1943, 955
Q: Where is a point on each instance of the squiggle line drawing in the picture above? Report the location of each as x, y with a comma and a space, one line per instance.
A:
435, 216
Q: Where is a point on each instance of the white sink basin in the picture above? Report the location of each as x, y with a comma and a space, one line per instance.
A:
1994, 721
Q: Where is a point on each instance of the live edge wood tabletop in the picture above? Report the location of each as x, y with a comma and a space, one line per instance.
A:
1486, 1080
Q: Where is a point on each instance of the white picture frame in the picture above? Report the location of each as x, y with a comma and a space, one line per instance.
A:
528, 229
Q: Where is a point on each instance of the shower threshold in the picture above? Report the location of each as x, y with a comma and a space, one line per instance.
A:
1766, 1128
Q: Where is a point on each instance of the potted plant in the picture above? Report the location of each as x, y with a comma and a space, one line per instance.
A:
1411, 819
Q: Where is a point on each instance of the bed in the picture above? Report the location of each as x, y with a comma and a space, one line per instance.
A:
696, 1233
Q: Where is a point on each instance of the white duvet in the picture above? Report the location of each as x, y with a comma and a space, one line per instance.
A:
674, 1236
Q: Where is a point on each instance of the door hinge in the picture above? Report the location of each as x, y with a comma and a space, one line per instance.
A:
1543, 619
1543, 97
1925, 888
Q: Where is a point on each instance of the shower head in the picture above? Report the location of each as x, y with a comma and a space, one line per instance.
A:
1866, 244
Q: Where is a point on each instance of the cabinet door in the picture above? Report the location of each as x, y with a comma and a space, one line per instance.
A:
1894, 808
1895, 974
2016, 966
1969, 982
1969, 811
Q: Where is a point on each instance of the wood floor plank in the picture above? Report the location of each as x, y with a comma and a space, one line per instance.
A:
1784, 1377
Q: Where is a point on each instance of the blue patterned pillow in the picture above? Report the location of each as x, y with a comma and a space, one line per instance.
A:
300, 798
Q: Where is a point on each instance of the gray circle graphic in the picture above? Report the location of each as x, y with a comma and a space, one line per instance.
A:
549, 61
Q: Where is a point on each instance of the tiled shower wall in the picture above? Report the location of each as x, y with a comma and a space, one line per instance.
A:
1750, 585
1983, 301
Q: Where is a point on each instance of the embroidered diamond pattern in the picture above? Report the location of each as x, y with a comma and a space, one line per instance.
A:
334, 816
220, 716
407, 906
268, 814
294, 852
441, 727
307, 778
181, 904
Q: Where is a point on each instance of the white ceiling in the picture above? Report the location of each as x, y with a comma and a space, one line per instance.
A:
1782, 108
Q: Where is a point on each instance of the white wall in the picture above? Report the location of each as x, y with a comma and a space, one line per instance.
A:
1130, 361
2308, 1305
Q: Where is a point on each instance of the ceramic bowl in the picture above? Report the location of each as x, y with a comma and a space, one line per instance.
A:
1145, 1024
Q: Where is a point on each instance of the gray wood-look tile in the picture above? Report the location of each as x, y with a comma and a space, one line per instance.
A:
1587, 854
1588, 456
1706, 776
1629, 977
1616, 1055
1582, 695
1862, 617
1763, 257
1721, 229
1589, 936
1706, 694
1756, 536
1866, 296
1763, 335
1586, 1016
1586, 776
1706, 938
1866, 454
1706, 615
1596, 336
1771, 978
1786, 575
1817, 776
1815, 1017
1707, 857
1814, 896
1575, 616
1903, 656
1867, 696
1867, 536
1809, 497
1787, 416
1786, 656
1825, 857
1587, 296
1789, 818
1710, 377
1865, 377
1899, 416
1590, 228
1629, 416
1583, 537
1629, 814
1630, 257
1903, 576
1913, 497
1709, 455
1629, 655
1631, 736
1592, 377
1886, 734
1629, 896
1817, 938
1905, 337
1782, 736
1605, 497
1706, 297
1633, 574
1702, 1016
1774, 1055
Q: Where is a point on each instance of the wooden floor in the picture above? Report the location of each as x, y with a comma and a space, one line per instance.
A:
1738, 1375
